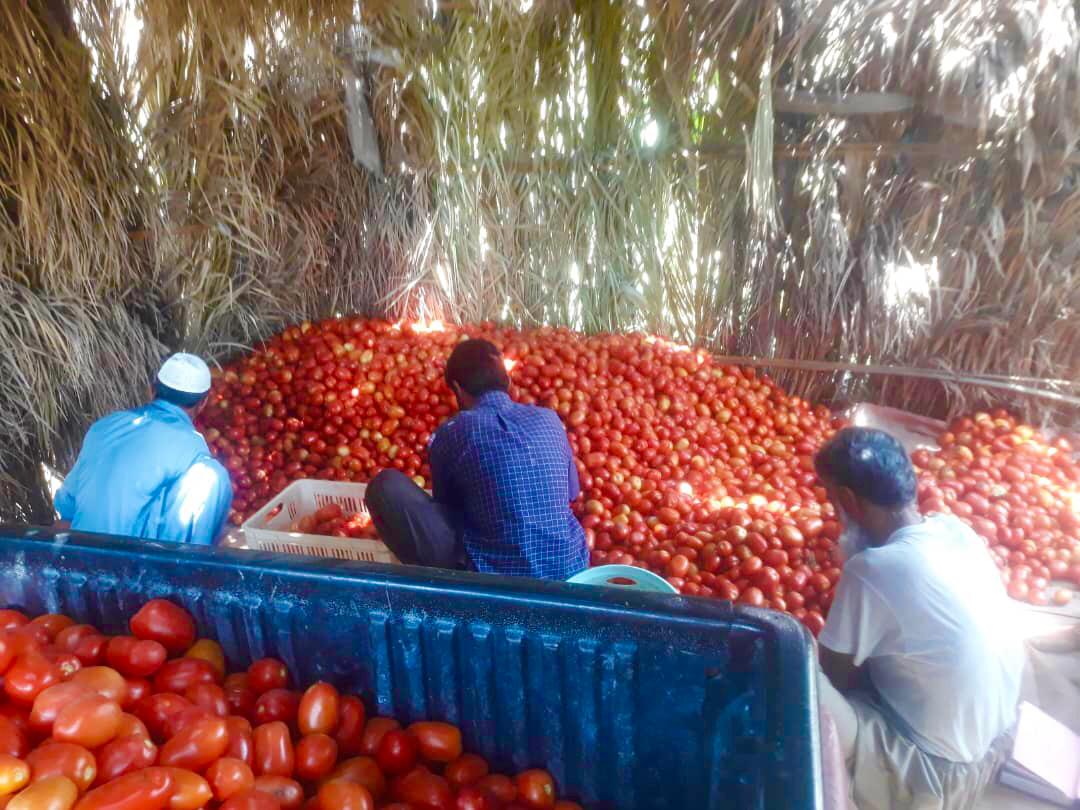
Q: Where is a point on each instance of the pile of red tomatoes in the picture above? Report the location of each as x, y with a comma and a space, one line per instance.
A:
1019, 490
698, 471
152, 721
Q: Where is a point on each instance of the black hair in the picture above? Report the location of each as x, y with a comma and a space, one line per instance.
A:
870, 463
477, 366
181, 399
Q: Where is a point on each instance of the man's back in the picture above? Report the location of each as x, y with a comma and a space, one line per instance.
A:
146, 473
929, 614
508, 470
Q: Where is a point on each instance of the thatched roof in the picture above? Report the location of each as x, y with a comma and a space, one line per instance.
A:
721, 172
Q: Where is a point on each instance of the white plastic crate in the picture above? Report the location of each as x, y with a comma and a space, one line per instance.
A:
268, 529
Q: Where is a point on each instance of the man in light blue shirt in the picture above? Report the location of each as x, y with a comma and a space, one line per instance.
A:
147, 472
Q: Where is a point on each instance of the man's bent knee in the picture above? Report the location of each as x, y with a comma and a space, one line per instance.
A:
384, 488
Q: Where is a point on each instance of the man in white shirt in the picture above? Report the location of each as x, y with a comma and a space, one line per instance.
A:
919, 641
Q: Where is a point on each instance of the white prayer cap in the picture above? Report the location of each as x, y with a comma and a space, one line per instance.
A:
185, 373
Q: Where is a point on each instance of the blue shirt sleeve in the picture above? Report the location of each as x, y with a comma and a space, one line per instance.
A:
198, 503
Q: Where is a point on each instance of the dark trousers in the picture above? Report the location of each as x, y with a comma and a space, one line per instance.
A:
417, 529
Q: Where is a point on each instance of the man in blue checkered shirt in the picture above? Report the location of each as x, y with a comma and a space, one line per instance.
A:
503, 477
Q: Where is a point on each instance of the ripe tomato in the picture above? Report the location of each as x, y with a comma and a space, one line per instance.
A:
30, 675
148, 789
241, 739
63, 759
274, 754
48, 704
228, 777
319, 710
14, 774
155, 711
468, 769
13, 740
181, 674
439, 742
350, 731
53, 623
374, 731
288, 792
315, 757
536, 789
209, 651
251, 800
196, 746
501, 787
338, 794
134, 658
208, 696
89, 721
397, 752
266, 674
277, 704
105, 681
190, 791
166, 623
123, 755
422, 788
54, 793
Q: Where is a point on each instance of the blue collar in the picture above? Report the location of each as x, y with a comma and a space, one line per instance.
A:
494, 399
170, 408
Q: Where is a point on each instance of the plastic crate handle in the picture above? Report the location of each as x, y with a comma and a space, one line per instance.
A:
623, 576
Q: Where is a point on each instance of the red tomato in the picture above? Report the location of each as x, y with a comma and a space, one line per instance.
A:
274, 754
209, 651
30, 675
53, 623
166, 623
134, 658
124, 755
147, 789
277, 704
208, 696
241, 739
155, 711
90, 721
315, 756
54, 793
105, 681
63, 759
288, 792
424, 789
501, 787
190, 791
350, 731
363, 771
374, 731
468, 769
536, 788
439, 742
14, 774
251, 800
48, 704
319, 710
397, 752
181, 674
341, 795
228, 777
13, 740
198, 745
266, 674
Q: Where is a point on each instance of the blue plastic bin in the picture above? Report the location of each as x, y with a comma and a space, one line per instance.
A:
632, 700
